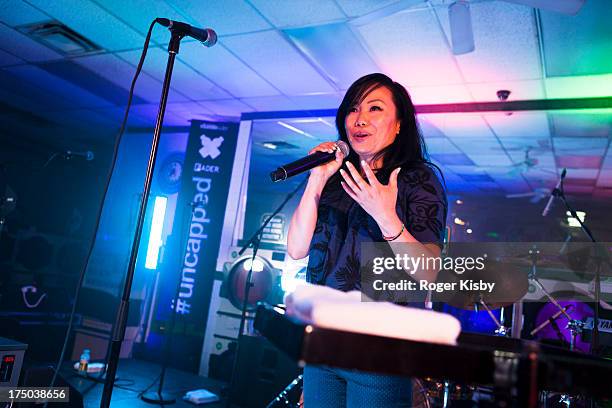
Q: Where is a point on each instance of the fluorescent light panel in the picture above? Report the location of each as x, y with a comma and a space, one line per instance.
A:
157, 225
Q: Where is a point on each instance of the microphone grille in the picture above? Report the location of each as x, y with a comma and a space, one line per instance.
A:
211, 38
344, 148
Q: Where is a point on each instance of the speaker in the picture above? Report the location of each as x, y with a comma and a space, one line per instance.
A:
41, 377
263, 372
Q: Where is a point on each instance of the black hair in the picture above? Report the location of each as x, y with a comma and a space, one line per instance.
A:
408, 149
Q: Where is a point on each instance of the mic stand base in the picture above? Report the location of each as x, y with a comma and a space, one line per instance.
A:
158, 398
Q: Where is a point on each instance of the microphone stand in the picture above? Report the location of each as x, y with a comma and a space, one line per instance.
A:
122, 312
601, 256
255, 240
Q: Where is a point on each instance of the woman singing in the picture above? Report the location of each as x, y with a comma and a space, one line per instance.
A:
388, 191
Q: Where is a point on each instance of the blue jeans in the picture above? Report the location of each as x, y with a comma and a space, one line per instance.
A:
326, 387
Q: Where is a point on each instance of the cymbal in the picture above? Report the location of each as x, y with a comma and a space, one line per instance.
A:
510, 285
541, 262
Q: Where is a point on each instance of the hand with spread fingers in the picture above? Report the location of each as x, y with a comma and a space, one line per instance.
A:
375, 198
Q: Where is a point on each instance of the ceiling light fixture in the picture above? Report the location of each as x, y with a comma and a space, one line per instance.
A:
571, 7
383, 12
462, 35
294, 129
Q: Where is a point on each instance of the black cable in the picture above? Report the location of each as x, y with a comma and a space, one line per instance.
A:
101, 206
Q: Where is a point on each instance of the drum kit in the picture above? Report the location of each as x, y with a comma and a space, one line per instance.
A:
561, 322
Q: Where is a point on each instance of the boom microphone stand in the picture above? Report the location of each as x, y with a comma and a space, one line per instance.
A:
254, 241
122, 313
601, 256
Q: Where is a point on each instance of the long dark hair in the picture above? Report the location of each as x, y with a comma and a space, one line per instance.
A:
408, 149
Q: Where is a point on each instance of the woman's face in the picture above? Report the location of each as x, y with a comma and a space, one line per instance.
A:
372, 125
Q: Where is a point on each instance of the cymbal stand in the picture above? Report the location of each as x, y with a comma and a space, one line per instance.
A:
501, 330
574, 326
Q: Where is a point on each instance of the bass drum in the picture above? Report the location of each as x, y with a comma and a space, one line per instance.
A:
557, 332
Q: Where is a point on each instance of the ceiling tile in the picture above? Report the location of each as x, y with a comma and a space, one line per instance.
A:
582, 146
490, 187
93, 22
479, 145
579, 181
428, 129
24, 47
227, 107
184, 79
335, 50
7, 58
457, 126
476, 178
190, 110
271, 103
581, 125
520, 90
89, 81
18, 12
580, 174
541, 177
44, 80
505, 39
265, 61
139, 14
410, 47
321, 101
117, 113
605, 178
515, 187
452, 159
592, 86
493, 160
578, 189
427, 95
580, 44
225, 70
355, 8
121, 73
519, 124
282, 13
225, 17
579, 162
30, 97
603, 192
441, 145
148, 113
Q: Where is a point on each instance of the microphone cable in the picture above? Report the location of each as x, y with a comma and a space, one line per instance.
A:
101, 207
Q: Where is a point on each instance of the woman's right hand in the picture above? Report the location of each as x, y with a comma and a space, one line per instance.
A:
325, 171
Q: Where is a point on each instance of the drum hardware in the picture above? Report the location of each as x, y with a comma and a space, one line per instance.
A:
286, 398
446, 394
551, 320
575, 326
511, 284
517, 319
501, 329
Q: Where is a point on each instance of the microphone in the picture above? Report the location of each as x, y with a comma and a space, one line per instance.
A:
308, 162
206, 36
87, 155
554, 194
